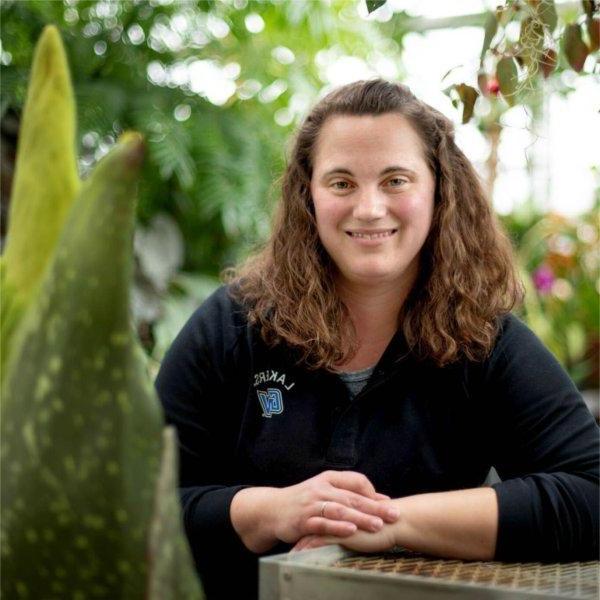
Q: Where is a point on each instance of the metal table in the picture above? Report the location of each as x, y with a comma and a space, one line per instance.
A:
333, 573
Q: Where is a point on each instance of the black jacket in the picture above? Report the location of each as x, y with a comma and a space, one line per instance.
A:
247, 415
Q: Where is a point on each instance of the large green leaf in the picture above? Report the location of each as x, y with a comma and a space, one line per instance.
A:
171, 569
81, 424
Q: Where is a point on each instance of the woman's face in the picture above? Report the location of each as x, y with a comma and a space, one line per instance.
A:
373, 196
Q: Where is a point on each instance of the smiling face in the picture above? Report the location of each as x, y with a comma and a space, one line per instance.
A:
373, 195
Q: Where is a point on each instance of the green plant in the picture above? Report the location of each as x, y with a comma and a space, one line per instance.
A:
148, 66
559, 264
89, 507
511, 67
42, 140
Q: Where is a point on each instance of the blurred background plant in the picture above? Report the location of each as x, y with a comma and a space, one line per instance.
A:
559, 259
217, 88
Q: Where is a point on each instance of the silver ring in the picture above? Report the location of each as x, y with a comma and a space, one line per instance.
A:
323, 508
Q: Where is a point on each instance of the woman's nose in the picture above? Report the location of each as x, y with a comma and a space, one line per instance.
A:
370, 205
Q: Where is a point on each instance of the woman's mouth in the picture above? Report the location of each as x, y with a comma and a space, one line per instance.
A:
372, 235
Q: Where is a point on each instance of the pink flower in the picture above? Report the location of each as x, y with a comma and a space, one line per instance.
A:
543, 278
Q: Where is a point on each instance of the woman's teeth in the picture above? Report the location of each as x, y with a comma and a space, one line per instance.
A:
372, 236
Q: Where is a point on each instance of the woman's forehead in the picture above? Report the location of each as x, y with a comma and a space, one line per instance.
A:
352, 140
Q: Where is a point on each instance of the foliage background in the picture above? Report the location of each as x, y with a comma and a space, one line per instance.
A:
210, 180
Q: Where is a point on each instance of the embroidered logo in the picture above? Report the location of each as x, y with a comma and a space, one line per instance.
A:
274, 376
271, 401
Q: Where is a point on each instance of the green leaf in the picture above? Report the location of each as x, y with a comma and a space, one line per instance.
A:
468, 96
546, 10
507, 75
373, 5
490, 28
170, 151
80, 420
171, 571
574, 47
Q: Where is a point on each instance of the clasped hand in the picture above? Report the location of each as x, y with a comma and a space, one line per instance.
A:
333, 504
360, 541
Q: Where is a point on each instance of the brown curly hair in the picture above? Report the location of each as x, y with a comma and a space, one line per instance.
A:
467, 276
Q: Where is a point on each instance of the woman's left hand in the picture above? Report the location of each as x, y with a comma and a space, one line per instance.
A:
361, 541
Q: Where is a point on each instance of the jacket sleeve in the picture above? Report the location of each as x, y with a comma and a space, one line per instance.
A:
203, 398
545, 449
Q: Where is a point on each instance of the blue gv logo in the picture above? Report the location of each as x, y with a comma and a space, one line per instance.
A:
271, 401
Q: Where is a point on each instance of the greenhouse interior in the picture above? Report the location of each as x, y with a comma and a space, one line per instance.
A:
299, 299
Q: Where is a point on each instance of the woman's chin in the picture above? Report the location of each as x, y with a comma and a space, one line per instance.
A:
377, 272
371, 277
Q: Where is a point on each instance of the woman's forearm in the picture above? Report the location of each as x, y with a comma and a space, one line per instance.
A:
250, 516
458, 524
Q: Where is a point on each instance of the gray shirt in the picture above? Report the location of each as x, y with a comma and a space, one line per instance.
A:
356, 380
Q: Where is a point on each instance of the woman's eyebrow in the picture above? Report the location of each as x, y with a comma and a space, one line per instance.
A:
385, 171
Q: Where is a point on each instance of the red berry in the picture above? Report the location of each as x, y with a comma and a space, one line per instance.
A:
493, 87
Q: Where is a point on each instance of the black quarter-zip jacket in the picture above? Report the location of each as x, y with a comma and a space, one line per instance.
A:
249, 415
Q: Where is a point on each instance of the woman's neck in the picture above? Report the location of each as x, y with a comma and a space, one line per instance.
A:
374, 312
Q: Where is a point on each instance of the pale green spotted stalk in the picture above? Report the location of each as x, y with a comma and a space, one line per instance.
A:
44, 186
89, 507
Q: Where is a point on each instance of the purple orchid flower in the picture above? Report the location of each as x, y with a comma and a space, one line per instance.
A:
543, 278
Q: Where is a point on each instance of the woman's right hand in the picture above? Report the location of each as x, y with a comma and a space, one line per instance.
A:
332, 503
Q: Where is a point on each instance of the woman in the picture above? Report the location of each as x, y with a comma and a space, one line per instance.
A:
359, 377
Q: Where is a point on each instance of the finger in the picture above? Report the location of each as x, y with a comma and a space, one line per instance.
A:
302, 543
350, 480
318, 542
379, 496
299, 547
378, 508
322, 526
340, 512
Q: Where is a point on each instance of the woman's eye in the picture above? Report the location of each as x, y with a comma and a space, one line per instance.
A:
399, 181
340, 183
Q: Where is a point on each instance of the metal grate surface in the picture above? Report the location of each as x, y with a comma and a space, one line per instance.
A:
571, 580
